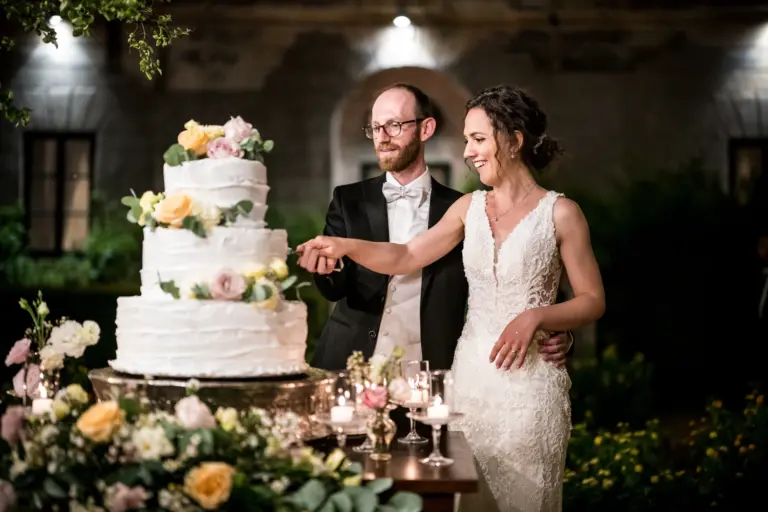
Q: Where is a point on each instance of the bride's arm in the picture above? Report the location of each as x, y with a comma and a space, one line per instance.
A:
588, 303
400, 259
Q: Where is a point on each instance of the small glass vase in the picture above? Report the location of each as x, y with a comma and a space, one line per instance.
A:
381, 431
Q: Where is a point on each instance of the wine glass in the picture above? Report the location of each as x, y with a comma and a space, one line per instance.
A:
417, 374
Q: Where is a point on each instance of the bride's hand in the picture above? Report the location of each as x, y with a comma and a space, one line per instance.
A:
515, 339
327, 247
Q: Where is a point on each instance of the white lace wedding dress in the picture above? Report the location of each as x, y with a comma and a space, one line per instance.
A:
516, 421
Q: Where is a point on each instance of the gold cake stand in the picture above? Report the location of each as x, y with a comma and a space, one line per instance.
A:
305, 395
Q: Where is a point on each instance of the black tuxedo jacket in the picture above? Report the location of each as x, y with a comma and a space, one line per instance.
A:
359, 210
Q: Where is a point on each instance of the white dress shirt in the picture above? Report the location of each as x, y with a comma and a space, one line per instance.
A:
401, 321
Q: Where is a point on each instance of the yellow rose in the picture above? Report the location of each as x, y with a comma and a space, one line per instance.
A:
213, 131
273, 300
60, 409
255, 272
101, 421
279, 268
77, 394
228, 419
173, 209
194, 139
210, 484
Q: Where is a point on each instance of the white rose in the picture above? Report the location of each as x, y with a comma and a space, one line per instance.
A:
193, 413
279, 268
209, 214
67, 339
151, 443
228, 418
90, 332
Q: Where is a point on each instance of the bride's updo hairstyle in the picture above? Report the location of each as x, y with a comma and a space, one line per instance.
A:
510, 109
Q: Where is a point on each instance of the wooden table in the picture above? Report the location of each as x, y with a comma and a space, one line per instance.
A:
436, 486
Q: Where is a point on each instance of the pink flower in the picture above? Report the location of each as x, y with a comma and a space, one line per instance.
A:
122, 498
18, 353
7, 496
375, 397
224, 148
11, 425
227, 285
32, 381
193, 413
237, 130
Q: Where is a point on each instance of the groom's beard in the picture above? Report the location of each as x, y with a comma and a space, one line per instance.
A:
400, 161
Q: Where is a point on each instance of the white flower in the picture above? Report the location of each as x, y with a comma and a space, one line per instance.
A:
209, 213
51, 358
228, 418
42, 309
378, 361
193, 413
90, 332
399, 389
151, 443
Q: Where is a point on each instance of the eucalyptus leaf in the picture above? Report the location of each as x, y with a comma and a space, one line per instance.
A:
364, 499
194, 224
406, 502
53, 489
268, 146
288, 282
342, 502
176, 154
380, 485
310, 495
169, 287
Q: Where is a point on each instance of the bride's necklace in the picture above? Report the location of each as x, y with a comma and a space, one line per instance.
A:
497, 217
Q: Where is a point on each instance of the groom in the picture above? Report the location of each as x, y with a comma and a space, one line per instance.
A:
422, 312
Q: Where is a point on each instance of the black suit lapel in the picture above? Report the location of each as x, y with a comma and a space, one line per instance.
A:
439, 203
376, 208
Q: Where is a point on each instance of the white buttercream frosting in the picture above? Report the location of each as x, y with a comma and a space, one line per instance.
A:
223, 182
204, 338
181, 256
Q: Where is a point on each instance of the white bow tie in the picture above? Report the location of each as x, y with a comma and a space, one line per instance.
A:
394, 192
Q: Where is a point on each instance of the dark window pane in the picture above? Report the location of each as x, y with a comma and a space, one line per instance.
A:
42, 233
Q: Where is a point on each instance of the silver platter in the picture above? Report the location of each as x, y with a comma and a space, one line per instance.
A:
305, 395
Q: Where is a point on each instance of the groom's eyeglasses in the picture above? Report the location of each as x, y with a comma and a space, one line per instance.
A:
391, 128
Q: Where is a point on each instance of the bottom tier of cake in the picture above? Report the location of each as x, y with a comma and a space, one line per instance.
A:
209, 339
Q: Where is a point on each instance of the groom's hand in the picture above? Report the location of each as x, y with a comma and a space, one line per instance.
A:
553, 349
311, 260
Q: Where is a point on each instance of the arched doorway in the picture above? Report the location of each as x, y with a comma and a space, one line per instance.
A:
352, 155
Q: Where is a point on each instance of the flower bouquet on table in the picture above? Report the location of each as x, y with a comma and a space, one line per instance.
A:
380, 385
46, 350
116, 456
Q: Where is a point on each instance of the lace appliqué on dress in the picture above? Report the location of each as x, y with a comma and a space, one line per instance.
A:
516, 421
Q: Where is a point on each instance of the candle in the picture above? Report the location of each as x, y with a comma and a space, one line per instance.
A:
439, 410
342, 413
42, 406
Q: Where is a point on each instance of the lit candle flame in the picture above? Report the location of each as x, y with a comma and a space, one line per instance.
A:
342, 401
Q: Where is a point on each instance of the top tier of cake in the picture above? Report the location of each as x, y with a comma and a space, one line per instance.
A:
223, 182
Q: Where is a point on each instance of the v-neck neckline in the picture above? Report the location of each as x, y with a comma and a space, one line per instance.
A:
498, 247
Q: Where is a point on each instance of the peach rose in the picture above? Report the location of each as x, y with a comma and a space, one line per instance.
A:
195, 139
210, 484
101, 421
173, 209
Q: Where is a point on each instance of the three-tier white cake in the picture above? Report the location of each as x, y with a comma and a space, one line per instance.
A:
211, 302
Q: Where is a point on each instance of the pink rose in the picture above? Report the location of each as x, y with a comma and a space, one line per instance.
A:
18, 353
237, 130
122, 498
32, 381
7, 496
375, 397
223, 148
11, 422
227, 285
193, 413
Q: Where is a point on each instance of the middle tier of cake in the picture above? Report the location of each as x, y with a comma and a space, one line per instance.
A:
181, 256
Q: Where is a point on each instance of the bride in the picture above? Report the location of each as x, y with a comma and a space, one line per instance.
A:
517, 238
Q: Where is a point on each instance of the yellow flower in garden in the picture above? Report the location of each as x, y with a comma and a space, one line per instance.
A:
737, 443
698, 469
101, 421
594, 461
717, 404
711, 453
759, 400
617, 457
750, 396
713, 435
724, 449
743, 450
639, 468
598, 441
210, 484
654, 435
655, 479
751, 447
680, 473
607, 483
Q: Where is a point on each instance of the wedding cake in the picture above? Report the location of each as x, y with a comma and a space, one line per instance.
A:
213, 274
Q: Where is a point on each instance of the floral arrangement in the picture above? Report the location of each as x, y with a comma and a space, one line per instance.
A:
379, 377
236, 138
114, 456
46, 348
181, 211
261, 285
